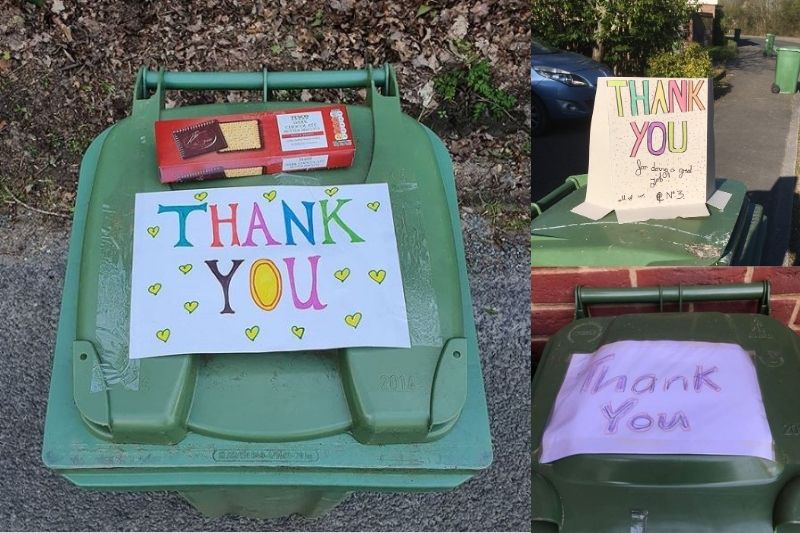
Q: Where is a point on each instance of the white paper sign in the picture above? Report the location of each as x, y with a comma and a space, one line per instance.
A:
260, 269
659, 397
651, 150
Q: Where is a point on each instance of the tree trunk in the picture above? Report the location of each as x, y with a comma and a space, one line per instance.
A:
598, 50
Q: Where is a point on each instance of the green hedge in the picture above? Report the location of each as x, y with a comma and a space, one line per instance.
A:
691, 61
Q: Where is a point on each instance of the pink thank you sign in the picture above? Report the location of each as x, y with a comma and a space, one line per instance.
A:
659, 397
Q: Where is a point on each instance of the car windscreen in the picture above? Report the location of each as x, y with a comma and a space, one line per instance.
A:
541, 48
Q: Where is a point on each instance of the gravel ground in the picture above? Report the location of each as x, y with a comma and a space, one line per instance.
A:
32, 264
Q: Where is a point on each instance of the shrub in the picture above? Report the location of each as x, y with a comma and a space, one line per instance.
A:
472, 89
620, 33
721, 54
692, 61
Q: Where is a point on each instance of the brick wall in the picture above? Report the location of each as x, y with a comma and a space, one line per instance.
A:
553, 300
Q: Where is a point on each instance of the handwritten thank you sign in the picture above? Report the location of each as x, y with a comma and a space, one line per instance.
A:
651, 150
659, 397
259, 269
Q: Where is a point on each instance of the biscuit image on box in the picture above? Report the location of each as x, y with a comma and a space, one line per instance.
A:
243, 172
241, 135
199, 139
207, 174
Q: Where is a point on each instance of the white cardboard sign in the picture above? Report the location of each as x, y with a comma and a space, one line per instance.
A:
260, 269
659, 397
651, 150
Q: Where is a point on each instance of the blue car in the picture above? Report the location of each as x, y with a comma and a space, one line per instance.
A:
562, 86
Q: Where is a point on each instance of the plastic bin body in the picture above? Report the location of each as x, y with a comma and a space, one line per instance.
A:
279, 433
769, 45
667, 493
787, 69
733, 236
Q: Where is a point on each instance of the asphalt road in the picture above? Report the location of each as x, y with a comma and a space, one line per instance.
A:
32, 264
756, 139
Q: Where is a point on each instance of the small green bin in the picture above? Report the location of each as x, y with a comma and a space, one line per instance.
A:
769, 45
559, 237
271, 434
594, 493
787, 70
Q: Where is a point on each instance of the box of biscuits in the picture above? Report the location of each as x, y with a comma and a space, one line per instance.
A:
253, 144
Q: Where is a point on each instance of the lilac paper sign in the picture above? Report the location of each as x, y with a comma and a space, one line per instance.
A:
659, 397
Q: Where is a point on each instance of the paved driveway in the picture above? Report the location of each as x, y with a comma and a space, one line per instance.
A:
756, 139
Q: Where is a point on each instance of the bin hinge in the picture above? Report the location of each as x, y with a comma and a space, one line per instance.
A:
680, 294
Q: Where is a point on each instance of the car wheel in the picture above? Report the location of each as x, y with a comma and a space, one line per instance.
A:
540, 122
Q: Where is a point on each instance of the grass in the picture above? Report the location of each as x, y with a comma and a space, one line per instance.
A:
507, 217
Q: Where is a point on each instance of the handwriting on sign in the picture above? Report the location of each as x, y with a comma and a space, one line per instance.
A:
597, 379
659, 397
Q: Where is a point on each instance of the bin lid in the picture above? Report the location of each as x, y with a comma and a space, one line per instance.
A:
612, 492
560, 237
279, 409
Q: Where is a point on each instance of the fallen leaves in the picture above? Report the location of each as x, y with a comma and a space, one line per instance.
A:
80, 58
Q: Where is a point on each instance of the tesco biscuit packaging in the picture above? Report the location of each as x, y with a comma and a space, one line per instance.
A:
251, 144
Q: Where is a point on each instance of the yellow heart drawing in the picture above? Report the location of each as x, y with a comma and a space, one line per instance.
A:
201, 196
185, 268
353, 320
298, 331
374, 205
342, 274
269, 195
154, 288
163, 335
377, 275
191, 306
153, 231
252, 333
331, 191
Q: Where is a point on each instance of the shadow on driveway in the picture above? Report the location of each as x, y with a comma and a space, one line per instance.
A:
778, 203
562, 153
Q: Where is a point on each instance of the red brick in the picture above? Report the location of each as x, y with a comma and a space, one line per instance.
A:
782, 309
551, 285
619, 309
782, 280
646, 277
537, 347
735, 306
548, 321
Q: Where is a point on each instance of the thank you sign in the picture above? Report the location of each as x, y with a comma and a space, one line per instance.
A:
261, 269
659, 397
651, 150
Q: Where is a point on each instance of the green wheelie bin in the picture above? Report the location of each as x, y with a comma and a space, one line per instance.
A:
658, 491
769, 45
271, 434
734, 235
787, 70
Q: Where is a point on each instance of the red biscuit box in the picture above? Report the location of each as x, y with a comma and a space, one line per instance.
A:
254, 143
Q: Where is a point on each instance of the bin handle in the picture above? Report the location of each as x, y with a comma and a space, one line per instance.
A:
267, 81
586, 296
572, 183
